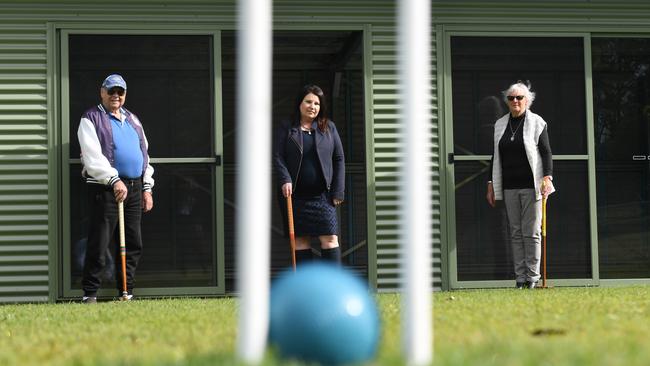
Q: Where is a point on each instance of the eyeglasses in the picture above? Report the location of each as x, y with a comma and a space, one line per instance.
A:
115, 90
513, 97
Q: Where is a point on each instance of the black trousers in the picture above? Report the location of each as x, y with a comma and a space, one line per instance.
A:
104, 234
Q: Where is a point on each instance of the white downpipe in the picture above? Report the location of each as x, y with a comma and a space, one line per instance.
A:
254, 48
414, 17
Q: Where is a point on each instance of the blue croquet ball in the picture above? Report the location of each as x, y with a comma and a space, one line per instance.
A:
323, 313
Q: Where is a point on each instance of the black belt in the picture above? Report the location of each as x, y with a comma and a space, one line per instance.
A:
131, 181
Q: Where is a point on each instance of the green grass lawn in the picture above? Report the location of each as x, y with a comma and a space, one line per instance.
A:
561, 326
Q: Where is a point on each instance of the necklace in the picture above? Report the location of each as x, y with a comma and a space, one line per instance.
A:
512, 138
306, 129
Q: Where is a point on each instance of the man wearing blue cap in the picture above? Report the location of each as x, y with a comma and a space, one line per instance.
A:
115, 164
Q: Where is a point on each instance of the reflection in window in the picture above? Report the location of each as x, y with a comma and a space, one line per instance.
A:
484, 66
621, 83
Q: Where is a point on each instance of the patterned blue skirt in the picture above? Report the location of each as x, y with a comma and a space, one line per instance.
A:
315, 216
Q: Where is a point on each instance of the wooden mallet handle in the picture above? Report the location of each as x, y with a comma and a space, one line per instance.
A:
292, 234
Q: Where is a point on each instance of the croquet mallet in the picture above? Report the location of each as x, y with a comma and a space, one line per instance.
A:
544, 198
292, 234
120, 209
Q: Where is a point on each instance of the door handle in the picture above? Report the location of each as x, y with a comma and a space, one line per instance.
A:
450, 158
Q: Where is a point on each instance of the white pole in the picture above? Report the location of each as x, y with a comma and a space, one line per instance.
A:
414, 40
254, 179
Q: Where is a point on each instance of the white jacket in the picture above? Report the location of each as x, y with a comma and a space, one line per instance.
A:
534, 124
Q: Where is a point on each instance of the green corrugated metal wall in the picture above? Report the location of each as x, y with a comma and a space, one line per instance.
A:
25, 267
385, 117
23, 161
24, 211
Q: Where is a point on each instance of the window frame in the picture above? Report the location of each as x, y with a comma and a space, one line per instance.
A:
447, 147
59, 34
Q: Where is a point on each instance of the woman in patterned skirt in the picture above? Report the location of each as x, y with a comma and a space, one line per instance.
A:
310, 166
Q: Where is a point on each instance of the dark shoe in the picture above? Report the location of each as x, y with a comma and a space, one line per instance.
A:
89, 299
531, 285
520, 285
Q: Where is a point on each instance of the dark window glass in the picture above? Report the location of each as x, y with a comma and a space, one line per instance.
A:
482, 239
483, 249
622, 139
170, 87
482, 67
178, 234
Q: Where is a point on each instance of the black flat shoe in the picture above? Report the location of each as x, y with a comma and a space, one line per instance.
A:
520, 285
531, 285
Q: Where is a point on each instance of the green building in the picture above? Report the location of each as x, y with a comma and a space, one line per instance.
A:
588, 61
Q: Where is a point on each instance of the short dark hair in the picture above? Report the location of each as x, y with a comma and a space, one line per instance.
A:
321, 118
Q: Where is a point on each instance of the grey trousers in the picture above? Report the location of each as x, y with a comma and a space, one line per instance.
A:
525, 223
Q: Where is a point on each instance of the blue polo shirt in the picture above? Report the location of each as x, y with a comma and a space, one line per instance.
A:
127, 154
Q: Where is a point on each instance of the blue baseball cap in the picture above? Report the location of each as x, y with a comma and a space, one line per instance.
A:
114, 80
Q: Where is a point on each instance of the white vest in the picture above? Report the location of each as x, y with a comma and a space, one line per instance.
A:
533, 127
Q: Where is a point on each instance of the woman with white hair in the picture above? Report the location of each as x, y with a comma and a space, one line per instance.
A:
522, 172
